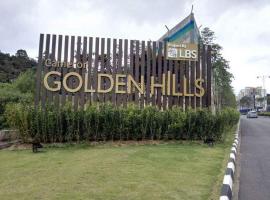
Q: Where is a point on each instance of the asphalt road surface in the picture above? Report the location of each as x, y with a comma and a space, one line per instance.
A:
255, 159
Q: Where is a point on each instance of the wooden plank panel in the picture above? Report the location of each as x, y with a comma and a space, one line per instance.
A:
170, 72
176, 72
187, 75
142, 72
64, 70
78, 59
165, 71
52, 57
136, 70
131, 67
198, 75
102, 63
58, 69
89, 69
192, 84
114, 67
181, 77
159, 73
44, 90
204, 74
108, 67
83, 72
148, 76
71, 58
95, 71
154, 71
209, 76
119, 97
125, 96
39, 70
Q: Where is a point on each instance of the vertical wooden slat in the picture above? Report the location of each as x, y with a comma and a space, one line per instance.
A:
159, 73
198, 75
70, 81
137, 64
125, 96
142, 72
58, 69
102, 63
154, 67
204, 75
187, 75
83, 71
78, 59
64, 70
39, 69
131, 67
170, 97
148, 78
52, 57
95, 71
176, 72
165, 71
209, 76
192, 84
181, 77
90, 70
119, 97
44, 90
114, 67
108, 67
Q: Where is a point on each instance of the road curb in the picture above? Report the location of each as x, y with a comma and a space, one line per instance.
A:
227, 186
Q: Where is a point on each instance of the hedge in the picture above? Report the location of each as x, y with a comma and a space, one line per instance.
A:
267, 114
108, 123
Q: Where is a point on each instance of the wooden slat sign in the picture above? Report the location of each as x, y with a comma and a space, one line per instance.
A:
85, 70
182, 51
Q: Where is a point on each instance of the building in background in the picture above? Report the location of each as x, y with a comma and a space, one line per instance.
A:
257, 96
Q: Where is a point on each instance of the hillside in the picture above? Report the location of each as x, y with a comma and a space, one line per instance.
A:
12, 65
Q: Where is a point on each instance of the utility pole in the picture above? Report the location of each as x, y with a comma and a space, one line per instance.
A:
264, 77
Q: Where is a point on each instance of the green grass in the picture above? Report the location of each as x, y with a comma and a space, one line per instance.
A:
163, 171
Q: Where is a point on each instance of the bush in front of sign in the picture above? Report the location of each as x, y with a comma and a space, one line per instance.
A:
105, 122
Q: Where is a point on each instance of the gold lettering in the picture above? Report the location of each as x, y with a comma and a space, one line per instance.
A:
119, 83
57, 83
174, 93
162, 85
66, 78
169, 84
198, 85
185, 89
86, 85
99, 90
131, 80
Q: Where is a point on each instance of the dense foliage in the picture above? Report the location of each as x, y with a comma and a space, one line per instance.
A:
21, 90
106, 122
11, 66
223, 90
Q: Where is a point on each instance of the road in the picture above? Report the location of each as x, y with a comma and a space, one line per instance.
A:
255, 159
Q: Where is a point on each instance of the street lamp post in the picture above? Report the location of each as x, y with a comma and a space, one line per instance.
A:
264, 77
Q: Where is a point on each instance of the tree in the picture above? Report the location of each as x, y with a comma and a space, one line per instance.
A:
246, 101
223, 90
21, 54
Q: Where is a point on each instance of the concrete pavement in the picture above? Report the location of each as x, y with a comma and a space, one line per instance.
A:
255, 159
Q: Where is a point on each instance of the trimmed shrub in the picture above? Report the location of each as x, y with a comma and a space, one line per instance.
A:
105, 122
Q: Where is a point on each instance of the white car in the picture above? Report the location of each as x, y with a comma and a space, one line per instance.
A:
252, 114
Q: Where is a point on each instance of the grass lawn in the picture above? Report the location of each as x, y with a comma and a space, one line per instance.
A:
159, 172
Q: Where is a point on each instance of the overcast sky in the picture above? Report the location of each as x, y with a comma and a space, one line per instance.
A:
242, 27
